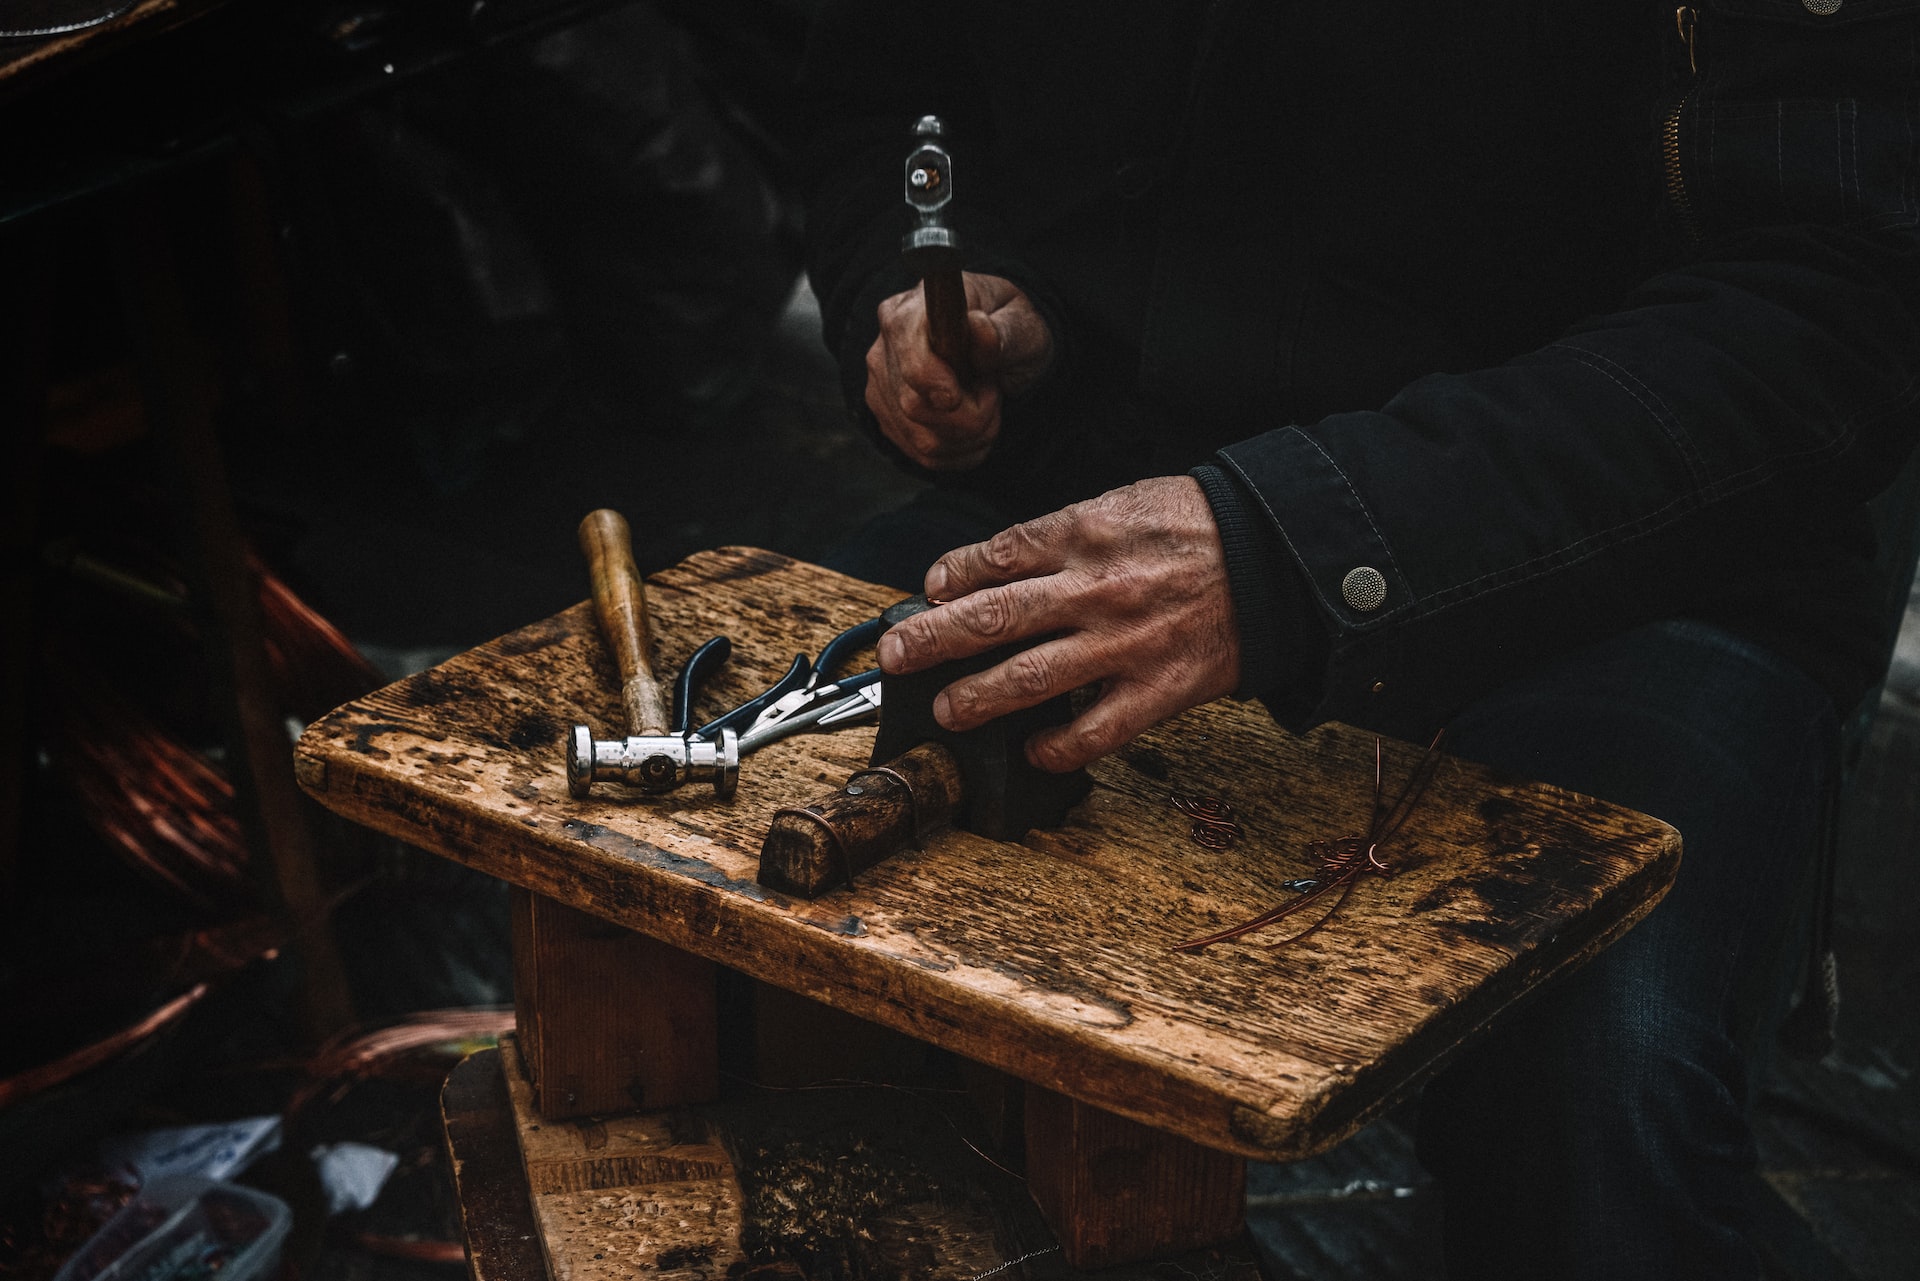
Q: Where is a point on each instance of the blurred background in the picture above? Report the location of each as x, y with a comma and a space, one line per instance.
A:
322, 326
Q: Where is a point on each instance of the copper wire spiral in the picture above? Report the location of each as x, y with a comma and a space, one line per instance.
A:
1213, 823
1342, 861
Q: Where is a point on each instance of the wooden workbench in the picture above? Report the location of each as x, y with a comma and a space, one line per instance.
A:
1050, 960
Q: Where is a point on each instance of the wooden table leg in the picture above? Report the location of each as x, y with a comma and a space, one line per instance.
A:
609, 1020
1115, 1191
490, 1183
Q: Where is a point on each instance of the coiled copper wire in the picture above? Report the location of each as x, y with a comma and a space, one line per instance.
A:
1213, 822
1344, 859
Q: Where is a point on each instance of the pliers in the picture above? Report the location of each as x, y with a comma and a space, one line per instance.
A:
807, 695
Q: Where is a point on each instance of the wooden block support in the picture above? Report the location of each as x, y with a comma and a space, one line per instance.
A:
653, 1193
609, 1020
1001, 1100
1115, 1191
496, 1216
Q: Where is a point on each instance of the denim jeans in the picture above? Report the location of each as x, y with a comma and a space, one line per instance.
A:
1601, 1129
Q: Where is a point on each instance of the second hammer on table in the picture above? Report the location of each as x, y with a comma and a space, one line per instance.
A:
655, 756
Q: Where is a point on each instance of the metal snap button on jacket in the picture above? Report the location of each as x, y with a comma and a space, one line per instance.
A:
1364, 588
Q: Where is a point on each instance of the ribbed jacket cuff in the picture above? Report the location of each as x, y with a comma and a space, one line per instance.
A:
1283, 642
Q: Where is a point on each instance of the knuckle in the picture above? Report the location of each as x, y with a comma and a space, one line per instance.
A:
1097, 735
964, 702
1105, 738
1100, 523
1049, 753
1007, 550
992, 615
1030, 675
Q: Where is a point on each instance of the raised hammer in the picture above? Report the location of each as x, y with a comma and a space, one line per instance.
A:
651, 757
933, 250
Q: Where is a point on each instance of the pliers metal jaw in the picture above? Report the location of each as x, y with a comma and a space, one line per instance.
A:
825, 706
807, 695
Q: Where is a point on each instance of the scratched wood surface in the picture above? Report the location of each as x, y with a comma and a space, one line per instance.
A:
1050, 959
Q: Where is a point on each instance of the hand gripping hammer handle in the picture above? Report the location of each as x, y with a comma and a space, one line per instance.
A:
651, 756
932, 248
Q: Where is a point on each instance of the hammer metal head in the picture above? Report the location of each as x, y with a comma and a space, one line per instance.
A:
653, 763
1005, 794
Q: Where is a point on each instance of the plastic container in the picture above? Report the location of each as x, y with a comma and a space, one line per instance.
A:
186, 1228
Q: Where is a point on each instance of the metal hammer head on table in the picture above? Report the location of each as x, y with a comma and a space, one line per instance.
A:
655, 755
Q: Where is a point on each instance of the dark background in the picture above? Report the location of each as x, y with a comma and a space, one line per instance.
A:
446, 277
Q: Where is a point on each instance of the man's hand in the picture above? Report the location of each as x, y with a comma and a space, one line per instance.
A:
922, 406
1133, 582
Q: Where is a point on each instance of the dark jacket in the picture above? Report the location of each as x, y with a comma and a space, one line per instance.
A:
1546, 318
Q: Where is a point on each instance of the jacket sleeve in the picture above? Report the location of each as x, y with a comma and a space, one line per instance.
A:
1675, 456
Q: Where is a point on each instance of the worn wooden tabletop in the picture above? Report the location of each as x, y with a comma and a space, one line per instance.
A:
1050, 959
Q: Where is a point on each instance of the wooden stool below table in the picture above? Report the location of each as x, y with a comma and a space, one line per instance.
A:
1151, 1075
869, 1179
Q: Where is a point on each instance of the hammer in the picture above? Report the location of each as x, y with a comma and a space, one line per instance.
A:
923, 778
653, 757
933, 250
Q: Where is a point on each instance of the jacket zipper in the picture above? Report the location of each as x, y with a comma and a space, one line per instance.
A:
1685, 19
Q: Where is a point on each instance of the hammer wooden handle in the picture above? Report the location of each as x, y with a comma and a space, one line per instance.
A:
620, 602
947, 332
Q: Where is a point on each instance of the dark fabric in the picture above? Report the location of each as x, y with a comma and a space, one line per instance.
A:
1416, 274
1281, 650
1600, 1132
898, 547
578, 218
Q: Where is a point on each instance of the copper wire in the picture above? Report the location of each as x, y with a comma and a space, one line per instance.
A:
1215, 836
1213, 823
1342, 861
360, 1053
913, 798
814, 815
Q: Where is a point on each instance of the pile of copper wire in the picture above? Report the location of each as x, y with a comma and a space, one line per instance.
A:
164, 807
166, 810
123, 753
383, 1051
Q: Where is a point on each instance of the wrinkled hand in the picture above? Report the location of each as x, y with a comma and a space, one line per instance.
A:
1135, 584
922, 406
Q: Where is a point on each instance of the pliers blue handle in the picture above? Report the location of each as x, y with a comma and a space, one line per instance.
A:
806, 684
705, 661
